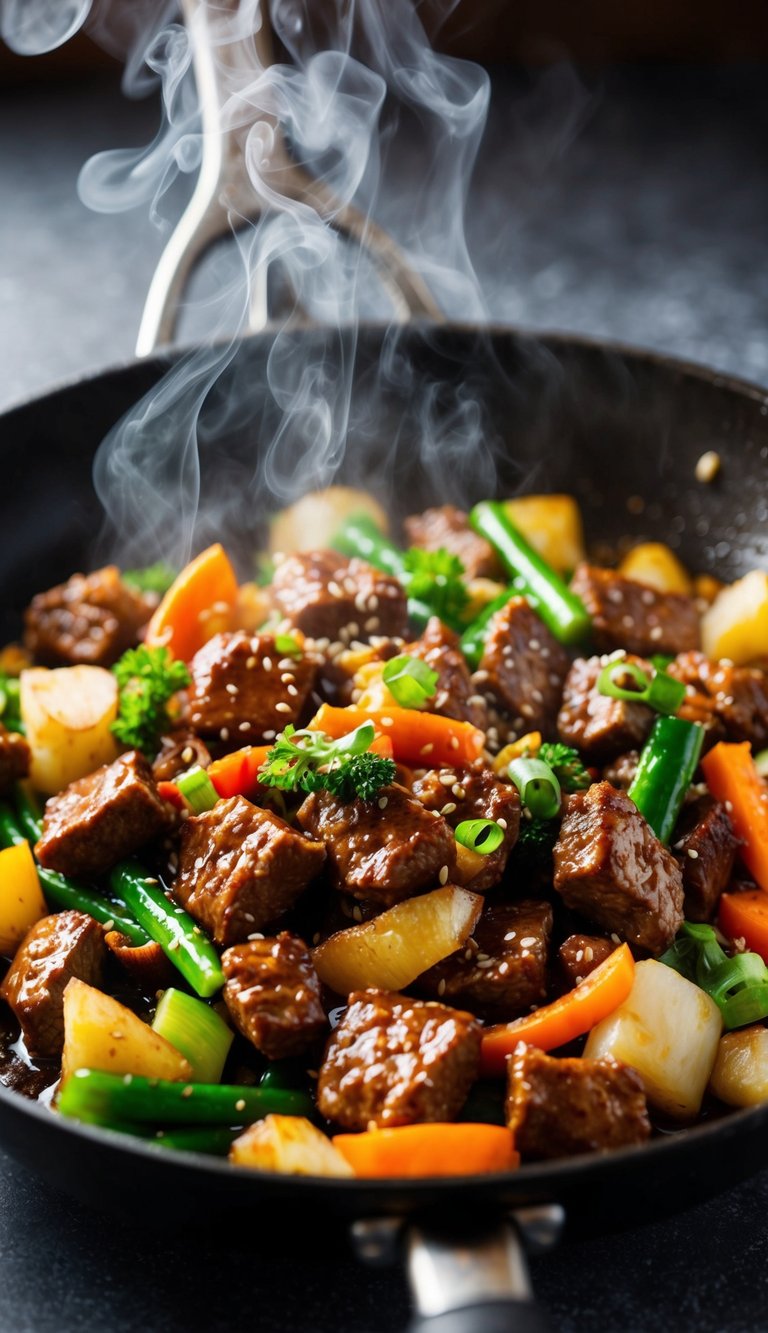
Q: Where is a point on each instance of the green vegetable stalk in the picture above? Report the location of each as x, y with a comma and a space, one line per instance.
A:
180, 938
561, 610
110, 1099
667, 764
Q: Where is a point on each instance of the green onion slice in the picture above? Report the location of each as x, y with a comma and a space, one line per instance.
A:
480, 835
410, 681
659, 691
198, 790
738, 985
197, 1031
538, 786
288, 646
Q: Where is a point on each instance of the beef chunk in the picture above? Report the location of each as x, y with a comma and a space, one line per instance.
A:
92, 618
57, 948
14, 758
395, 1061
468, 793
522, 670
610, 866
179, 752
273, 995
446, 528
101, 818
579, 955
705, 845
244, 690
327, 596
241, 867
623, 771
737, 696
500, 972
558, 1108
596, 725
386, 849
630, 615
456, 695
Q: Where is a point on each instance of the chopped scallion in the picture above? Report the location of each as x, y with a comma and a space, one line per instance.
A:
480, 835
659, 691
198, 790
288, 646
410, 681
538, 786
196, 1030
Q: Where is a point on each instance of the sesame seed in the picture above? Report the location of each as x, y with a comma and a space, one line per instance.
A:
427, 749
448, 808
287, 678
266, 663
269, 735
694, 855
528, 942
502, 823
454, 742
372, 623
187, 1092
250, 662
231, 689
458, 791
334, 588
244, 726
285, 663
383, 802
224, 733
447, 779
443, 876
441, 986
291, 689
240, 1104
283, 708
387, 721
589, 954
707, 466
187, 754
357, 912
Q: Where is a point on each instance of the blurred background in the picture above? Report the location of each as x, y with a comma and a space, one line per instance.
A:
621, 189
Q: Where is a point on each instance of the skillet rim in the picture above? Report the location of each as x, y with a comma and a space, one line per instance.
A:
536, 1178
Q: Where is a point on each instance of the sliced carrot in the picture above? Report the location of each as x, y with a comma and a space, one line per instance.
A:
417, 738
200, 602
566, 1018
236, 774
745, 916
168, 791
429, 1150
732, 778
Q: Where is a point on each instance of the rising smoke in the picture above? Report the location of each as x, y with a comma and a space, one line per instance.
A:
358, 91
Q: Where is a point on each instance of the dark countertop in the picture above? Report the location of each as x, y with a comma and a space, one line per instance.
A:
648, 224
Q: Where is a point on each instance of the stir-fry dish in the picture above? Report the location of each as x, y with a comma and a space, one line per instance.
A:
422, 853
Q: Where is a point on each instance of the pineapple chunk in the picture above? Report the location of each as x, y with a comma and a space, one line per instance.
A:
100, 1033
67, 714
290, 1145
655, 565
736, 624
21, 899
668, 1030
740, 1075
552, 524
312, 522
396, 947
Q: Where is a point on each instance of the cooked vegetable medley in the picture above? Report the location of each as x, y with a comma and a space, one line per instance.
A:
427, 856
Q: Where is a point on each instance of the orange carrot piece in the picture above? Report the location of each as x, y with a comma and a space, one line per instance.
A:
417, 738
732, 778
429, 1150
745, 916
168, 791
200, 602
566, 1018
236, 774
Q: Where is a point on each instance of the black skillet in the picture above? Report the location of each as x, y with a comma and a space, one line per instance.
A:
621, 430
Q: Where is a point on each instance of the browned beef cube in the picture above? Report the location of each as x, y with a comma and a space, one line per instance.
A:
446, 528
558, 1108
57, 948
581, 954
611, 867
273, 995
705, 845
327, 596
101, 818
467, 793
241, 867
456, 695
500, 973
395, 1061
522, 669
596, 725
386, 849
630, 615
623, 770
738, 697
178, 752
244, 690
14, 758
91, 618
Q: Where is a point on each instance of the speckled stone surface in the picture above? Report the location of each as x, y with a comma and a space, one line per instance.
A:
635, 208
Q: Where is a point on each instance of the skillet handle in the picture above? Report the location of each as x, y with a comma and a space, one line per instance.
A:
475, 1284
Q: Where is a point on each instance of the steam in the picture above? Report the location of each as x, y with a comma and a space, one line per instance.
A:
362, 91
